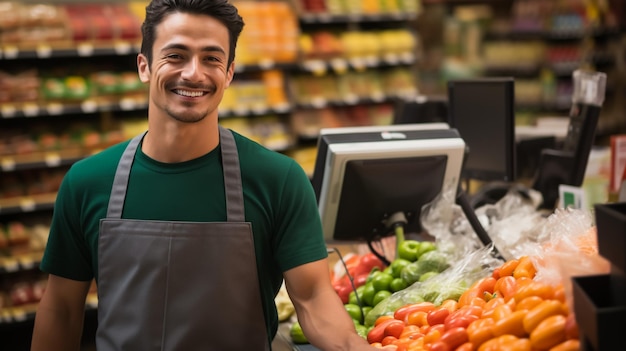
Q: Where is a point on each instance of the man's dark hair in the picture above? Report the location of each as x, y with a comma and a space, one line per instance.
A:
221, 10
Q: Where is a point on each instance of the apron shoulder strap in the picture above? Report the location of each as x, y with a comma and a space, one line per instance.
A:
120, 182
232, 177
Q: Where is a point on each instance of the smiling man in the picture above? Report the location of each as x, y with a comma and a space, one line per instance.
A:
189, 228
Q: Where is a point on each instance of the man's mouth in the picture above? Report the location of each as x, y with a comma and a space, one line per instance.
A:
189, 93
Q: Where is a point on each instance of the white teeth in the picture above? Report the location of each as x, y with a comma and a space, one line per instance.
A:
189, 93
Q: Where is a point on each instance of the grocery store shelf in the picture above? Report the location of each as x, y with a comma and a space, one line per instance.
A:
88, 106
23, 204
327, 18
38, 160
45, 50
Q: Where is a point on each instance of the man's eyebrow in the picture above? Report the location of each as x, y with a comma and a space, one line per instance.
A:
212, 48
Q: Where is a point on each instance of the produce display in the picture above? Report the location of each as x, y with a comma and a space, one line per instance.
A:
455, 298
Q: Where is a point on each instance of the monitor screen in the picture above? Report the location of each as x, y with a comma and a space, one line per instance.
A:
365, 175
482, 110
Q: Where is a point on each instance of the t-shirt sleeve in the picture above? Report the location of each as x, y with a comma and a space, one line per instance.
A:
299, 239
66, 253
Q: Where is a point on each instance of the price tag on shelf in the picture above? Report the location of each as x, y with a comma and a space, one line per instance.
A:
11, 52
89, 106
319, 102
317, 67
324, 17
372, 61
378, 96
407, 57
18, 314
339, 65
30, 110
43, 51
54, 108
7, 164
8, 111
241, 110
391, 58
52, 159
122, 48
351, 99
85, 49
10, 265
267, 63
281, 108
128, 104
27, 204
260, 109
358, 63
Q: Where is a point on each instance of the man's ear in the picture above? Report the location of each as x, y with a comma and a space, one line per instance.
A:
230, 73
143, 68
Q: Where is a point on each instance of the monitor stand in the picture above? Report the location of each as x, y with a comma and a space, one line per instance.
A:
463, 201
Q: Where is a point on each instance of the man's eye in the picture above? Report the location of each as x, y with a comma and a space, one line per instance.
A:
174, 56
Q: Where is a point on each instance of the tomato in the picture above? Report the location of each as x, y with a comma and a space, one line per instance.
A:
480, 331
437, 316
460, 321
490, 306
542, 311
468, 346
549, 333
508, 267
417, 318
534, 288
513, 324
450, 305
505, 287
455, 337
569, 345
516, 345
433, 334
402, 312
378, 332
387, 340
478, 289
394, 328
367, 263
528, 303
525, 268
439, 346
571, 327
343, 291
495, 343
501, 312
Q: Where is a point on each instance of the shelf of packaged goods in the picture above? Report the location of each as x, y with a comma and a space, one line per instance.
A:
23, 204
38, 160
324, 18
63, 50
87, 106
20, 262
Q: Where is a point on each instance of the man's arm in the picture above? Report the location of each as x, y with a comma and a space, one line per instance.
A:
60, 315
324, 320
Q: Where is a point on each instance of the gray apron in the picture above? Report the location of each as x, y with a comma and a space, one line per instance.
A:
165, 285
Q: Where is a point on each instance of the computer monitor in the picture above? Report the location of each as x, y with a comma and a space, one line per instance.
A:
365, 175
483, 111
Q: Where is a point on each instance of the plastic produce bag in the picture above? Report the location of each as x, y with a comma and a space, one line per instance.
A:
569, 248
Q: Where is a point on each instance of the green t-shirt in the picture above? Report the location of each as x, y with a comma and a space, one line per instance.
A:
278, 197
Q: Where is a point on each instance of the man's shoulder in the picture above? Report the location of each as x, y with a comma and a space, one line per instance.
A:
251, 150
